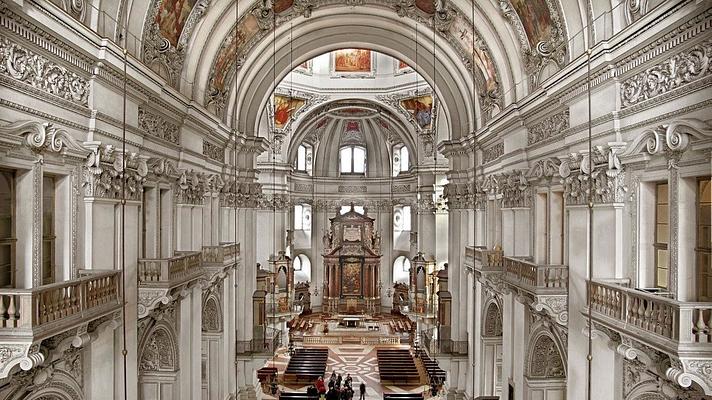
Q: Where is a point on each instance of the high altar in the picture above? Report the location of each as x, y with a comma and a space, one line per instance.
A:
352, 259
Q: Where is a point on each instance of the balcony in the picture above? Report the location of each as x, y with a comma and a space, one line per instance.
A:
443, 346
682, 330
160, 279
537, 279
224, 254
261, 346
28, 316
484, 260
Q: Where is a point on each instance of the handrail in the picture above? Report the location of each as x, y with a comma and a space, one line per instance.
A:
533, 276
166, 270
489, 260
27, 309
682, 322
222, 253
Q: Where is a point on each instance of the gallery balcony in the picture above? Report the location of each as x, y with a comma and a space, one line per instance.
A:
29, 316
536, 279
678, 329
260, 346
484, 260
160, 279
223, 255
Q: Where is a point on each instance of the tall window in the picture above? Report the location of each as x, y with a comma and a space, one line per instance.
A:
401, 270
7, 228
662, 235
302, 268
352, 160
304, 158
302, 217
400, 159
704, 239
48, 237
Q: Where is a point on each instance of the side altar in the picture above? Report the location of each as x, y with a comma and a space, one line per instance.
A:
352, 259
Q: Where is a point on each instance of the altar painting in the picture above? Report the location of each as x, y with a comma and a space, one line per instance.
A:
351, 277
284, 109
171, 17
535, 18
352, 61
421, 108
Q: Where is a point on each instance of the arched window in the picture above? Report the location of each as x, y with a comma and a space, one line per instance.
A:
302, 217
401, 270
304, 158
401, 218
302, 269
400, 159
352, 160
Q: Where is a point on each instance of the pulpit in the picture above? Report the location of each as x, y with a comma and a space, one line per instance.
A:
352, 258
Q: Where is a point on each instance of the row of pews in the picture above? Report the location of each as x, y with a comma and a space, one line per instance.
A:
401, 325
396, 366
306, 365
435, 373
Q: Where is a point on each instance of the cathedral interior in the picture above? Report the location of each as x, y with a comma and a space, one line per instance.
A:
451, 199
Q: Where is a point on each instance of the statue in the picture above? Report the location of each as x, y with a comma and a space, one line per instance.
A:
325, 240
377, 241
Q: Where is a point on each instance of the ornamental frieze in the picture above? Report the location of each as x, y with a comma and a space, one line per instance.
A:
112, 174
679, 70
493, 153
551, 127
213, 151
154, 124
21, 64
191, 188
604, 185
516, 192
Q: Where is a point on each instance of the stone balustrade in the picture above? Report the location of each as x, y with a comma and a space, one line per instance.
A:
50, 309
485, 260
169, 272
660, 322
538, 279
224, 253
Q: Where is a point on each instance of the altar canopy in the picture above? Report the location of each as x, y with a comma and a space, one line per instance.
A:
352, 257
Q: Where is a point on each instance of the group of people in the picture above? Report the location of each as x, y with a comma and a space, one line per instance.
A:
337, 388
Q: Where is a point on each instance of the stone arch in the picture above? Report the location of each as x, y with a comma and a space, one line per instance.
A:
159, 350
61, 386
544, 356
212, 315
492, 320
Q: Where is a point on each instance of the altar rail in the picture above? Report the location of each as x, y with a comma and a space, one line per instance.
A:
169, 271
536, 278
654, 320
362, 340
59, 306
224, 253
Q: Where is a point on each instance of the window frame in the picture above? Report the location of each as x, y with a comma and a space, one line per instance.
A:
11, 240
657, 245
700, 274
49, 274
351, 171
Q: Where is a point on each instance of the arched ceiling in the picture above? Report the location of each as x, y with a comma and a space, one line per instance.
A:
194, 44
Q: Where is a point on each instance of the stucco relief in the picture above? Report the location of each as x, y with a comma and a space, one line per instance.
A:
545, 359
608, 177
212, 315
154, 124
110, 173
41, 73
550, 127
159, 352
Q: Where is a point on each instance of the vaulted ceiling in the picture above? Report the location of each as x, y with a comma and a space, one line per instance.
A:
503, 48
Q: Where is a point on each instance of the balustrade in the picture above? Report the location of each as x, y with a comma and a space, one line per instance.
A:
536, 278
70, 302
485, 260
223, 253
167, 271
635, 311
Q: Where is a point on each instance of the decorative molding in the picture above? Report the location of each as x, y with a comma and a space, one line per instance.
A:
303, 187
681, 69
41, 73
551, 127
213, 151
405, 188
608, 176
111, 174
516, 192
352, 189
154, 124
492, 153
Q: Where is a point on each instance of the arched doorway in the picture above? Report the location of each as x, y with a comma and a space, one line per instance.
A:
491, 372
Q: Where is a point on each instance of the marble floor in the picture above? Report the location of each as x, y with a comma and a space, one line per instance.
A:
359, 361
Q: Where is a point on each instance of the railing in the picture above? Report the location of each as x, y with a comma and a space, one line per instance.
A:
485, 260
537, 278
169, 270
650, 315
49, 305
221, 254
259, 346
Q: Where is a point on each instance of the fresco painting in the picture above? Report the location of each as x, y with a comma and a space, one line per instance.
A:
402, 65
427, 6
535, 18
247, 29
352, 60
284, 109
281, 6
353, 126
421, 108
171, 17
462, 30
306, 66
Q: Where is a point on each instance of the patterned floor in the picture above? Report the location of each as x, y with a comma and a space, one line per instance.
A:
359, 361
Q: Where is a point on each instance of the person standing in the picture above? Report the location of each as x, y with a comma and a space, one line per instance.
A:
362, 391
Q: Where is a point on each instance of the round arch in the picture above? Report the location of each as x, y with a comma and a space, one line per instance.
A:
401, 270
159, 349
212, 314
545, 355
492, 320
302, 268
